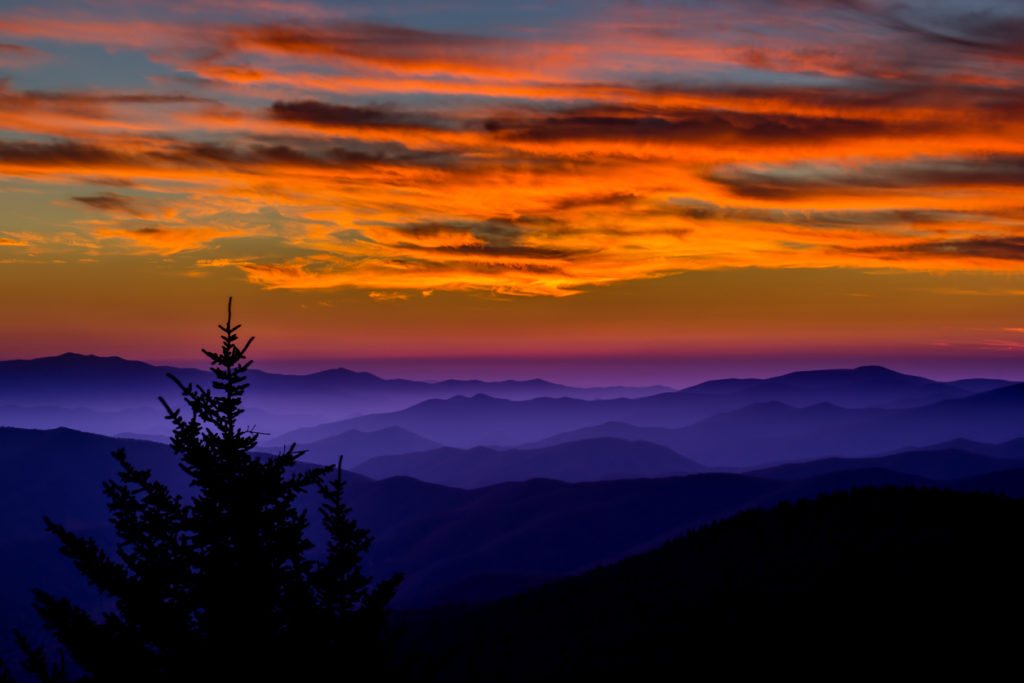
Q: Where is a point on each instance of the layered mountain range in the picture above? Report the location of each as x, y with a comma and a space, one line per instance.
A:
494, 537
466, 433
479, 490
111, 395
727, 425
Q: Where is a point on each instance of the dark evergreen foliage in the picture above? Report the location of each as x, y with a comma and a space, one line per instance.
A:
221, 584
5, 673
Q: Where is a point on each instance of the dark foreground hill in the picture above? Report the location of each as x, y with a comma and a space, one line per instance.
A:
876, 579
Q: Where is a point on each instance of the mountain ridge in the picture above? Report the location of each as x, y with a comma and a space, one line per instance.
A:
579, 461
465, 422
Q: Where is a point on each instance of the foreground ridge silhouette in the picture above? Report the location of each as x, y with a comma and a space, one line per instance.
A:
222, 584
870, 580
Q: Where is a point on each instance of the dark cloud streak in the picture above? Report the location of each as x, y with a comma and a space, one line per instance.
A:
114, 202
318, 113
1002, 248
186, 154
694, 126
804, 181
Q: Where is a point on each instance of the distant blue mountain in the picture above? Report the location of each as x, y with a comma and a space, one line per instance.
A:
1012, 449
771, 433
357, 447
863, 387
96, 382
465, 422
587, 460
468, 421
92, 392
976, 386
940, 465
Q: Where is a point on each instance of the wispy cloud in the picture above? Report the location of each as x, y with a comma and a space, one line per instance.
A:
626, 142
164, 240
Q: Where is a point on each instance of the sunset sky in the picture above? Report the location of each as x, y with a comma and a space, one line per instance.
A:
652, 190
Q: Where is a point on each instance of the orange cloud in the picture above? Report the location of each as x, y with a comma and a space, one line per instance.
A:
388, 296
530, 163
164, 241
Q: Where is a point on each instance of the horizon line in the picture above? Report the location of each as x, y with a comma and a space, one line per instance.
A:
674, 371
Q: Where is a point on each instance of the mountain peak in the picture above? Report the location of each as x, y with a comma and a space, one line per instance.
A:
90, 357
875, 370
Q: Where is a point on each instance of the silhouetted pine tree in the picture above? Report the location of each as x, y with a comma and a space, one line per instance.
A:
5, 673
221, 584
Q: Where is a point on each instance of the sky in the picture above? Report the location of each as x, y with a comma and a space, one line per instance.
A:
593, 191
